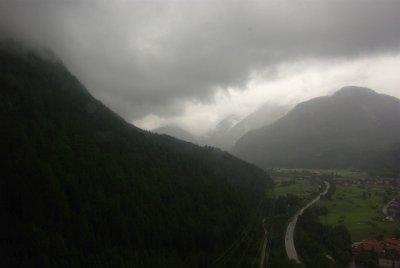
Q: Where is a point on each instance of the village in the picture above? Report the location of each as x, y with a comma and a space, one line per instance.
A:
382, 251
368, 206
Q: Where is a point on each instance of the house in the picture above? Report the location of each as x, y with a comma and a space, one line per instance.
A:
388, 250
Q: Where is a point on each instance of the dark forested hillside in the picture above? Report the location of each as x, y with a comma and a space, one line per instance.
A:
356, 127
79, 187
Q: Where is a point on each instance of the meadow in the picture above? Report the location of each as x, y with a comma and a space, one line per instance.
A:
303, 188
359, 208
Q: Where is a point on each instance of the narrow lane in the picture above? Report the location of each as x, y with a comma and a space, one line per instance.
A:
384, 209
289, 237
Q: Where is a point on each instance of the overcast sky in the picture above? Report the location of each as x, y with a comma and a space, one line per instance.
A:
192, 63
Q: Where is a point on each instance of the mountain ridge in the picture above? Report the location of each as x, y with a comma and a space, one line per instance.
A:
230, 129
353, 119
176, 132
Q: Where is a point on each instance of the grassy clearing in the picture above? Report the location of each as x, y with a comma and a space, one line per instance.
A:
300, 183
301, 187
359, 208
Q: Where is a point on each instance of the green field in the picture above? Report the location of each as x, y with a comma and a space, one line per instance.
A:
359, 208
301, 187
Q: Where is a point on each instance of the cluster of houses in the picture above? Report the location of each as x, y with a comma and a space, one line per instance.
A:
388, 250
392, 210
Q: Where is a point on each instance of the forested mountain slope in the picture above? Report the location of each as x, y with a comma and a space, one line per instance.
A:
355, 127
79, 187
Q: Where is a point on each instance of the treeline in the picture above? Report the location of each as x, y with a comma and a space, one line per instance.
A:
79, 187
320, 245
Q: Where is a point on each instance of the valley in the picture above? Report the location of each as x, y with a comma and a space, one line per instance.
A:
355, 201
103, 192
199, 134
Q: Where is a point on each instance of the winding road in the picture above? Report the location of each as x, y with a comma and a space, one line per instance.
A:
289, 237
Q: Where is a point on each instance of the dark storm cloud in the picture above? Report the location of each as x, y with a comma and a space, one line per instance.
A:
147, 56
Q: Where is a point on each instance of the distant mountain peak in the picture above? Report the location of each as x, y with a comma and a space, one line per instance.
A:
176, 132
228, 122
232, 127
349, 91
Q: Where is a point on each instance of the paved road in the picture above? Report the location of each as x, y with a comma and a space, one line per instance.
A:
289, 237
384, 209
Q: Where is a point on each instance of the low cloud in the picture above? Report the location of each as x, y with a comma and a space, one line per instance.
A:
292, 83
167, 58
